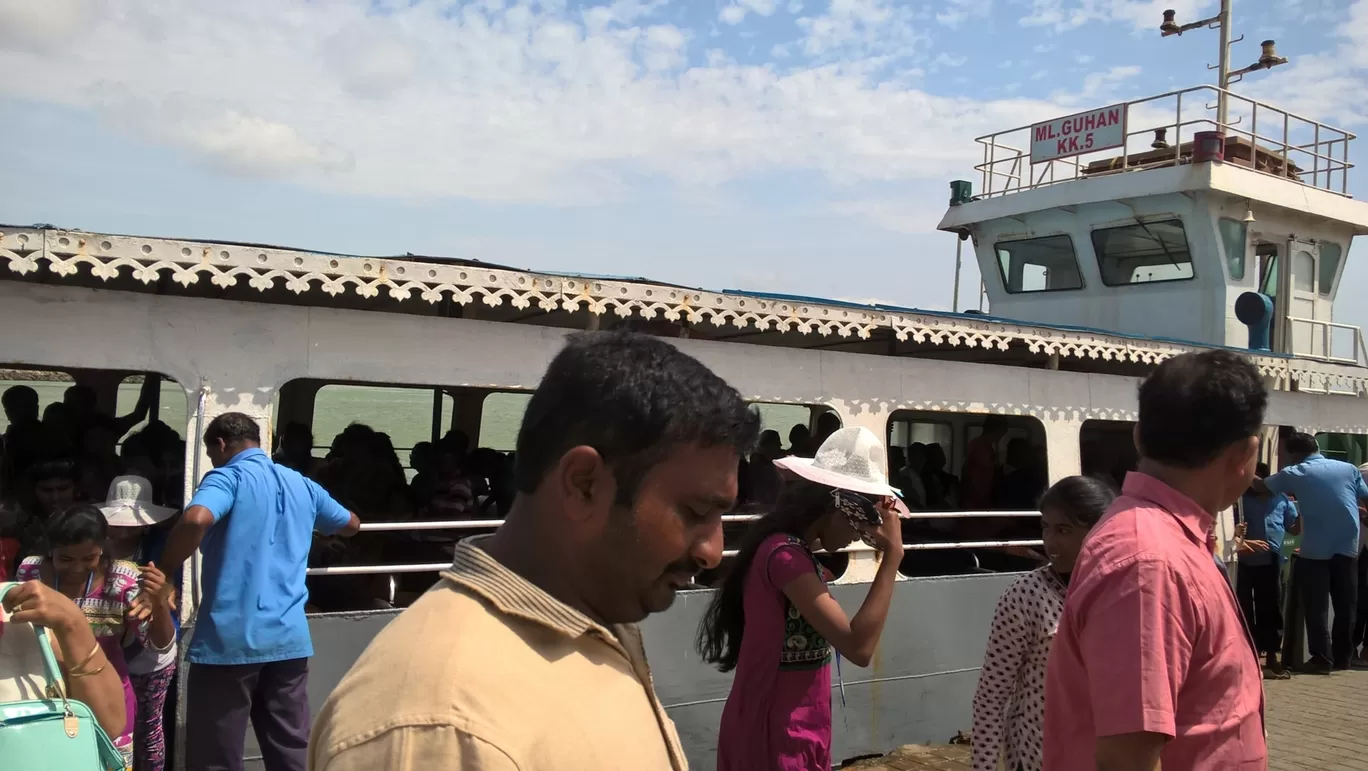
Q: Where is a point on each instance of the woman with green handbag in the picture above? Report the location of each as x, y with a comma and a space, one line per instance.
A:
48, 655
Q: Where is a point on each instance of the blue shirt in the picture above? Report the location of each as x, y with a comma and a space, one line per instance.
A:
1327, 493
1267, 519
254, 558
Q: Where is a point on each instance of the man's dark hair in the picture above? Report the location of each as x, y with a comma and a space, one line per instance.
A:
634, 399
21, 398
49, 468
232, 428
1261, 470
1195, 405
1301, 445
995, 424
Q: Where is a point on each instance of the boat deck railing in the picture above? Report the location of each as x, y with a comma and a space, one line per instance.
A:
1159, 132
480, 524
1328, 341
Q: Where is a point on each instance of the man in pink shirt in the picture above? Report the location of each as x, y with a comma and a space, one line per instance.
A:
1151, 664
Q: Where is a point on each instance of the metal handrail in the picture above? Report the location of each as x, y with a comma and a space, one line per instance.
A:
1321, 151
471, 524
1360, 352
434, 567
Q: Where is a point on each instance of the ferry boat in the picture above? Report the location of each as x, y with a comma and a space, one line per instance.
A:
1107, 241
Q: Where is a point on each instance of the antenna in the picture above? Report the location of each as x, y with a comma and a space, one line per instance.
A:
1225, 77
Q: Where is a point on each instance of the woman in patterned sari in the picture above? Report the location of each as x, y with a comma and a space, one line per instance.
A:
774, 621
1009, 705
105, 589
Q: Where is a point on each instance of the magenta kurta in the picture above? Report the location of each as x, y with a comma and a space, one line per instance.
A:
778, 716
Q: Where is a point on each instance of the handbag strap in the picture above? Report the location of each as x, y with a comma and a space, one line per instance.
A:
56, 683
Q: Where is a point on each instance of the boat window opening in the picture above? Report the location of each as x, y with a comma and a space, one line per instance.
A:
1330, 254
1039, 264
1235, 241
1107, 450
1143, 253
1350, 448
786, 429
943, 466
170, 405
406, 417
1303, 271
100, 424
1268, 268
501, 416
380, 459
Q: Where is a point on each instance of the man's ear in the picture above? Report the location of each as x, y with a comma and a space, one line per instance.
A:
584, 483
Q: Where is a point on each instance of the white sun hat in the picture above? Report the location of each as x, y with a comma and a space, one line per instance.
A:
130, 504
851, 459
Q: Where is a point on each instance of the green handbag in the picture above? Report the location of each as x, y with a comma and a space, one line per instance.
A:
54, 732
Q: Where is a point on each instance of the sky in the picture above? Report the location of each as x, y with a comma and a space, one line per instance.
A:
795, 146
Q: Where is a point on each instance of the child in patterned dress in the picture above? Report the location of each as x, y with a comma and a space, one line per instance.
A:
137, 534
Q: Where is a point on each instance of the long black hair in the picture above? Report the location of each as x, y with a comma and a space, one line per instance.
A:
800, 505
1083, 499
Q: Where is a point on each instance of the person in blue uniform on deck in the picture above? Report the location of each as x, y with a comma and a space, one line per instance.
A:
1265, 517
253, 521
1328, 494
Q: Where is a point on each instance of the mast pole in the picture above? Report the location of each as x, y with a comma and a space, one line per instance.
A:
959, 252
1223, 67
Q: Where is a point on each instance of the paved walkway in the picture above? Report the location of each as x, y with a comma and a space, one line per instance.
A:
1313, 723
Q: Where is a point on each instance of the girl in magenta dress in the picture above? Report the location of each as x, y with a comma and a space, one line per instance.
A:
775, 623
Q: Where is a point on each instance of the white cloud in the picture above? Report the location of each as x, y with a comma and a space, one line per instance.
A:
736, 12
1063, 15
43, 25
533, 103
1097, 87
861, 27
1044, 48
949, 60
959, 11
1329, 85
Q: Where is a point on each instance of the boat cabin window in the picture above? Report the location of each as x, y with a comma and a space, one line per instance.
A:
1039, 264
1350, 448
1268, 268
1107, 450
948, 466
1235, 241
74, 432
1143, 253
500, 418
1330, 254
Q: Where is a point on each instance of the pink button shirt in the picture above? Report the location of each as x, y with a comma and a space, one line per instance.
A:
1151, 641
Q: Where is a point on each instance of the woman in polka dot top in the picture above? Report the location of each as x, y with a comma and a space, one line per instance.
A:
1009, 705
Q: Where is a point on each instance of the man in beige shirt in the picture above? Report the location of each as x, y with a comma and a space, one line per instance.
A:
525, 655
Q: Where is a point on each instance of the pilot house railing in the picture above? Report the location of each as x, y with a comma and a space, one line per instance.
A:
1327, 341
1159, 131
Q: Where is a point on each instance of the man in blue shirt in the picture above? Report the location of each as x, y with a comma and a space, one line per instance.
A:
253, 521
1328, 493
1266, 517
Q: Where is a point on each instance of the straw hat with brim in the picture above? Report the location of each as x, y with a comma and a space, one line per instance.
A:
851, 459
130, 504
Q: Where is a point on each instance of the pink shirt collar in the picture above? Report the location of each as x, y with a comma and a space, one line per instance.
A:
1195, 520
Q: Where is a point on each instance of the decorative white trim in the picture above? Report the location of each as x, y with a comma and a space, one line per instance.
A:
186, 262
